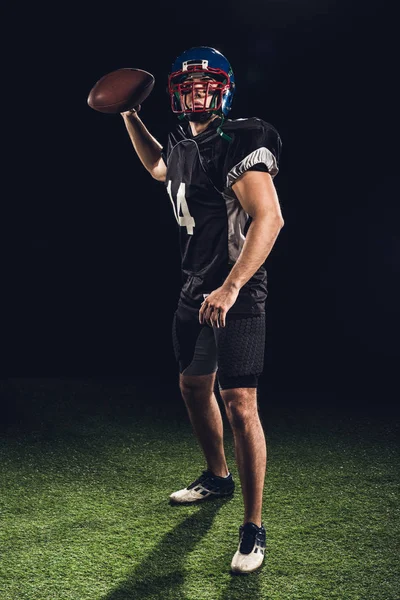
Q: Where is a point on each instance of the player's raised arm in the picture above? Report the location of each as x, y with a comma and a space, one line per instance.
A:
147, 147
116, 93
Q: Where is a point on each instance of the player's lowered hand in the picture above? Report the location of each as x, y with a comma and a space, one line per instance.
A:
214, 308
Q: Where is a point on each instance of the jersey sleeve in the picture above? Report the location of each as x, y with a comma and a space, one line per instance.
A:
256, 147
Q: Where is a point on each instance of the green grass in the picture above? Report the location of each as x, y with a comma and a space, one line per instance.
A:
85, 514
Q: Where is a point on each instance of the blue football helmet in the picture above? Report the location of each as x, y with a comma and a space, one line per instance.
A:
206, 69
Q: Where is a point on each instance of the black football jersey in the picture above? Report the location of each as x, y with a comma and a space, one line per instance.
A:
212, 223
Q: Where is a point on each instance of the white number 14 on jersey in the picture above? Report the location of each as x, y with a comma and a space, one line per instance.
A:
186, 220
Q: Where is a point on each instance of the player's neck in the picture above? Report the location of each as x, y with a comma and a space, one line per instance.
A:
200, 127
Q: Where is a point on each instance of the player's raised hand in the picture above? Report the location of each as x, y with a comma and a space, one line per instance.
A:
131, 111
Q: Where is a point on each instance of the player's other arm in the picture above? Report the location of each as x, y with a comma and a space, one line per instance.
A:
256, 193
147, 147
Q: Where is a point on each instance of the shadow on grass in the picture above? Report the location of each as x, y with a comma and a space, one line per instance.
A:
162, 574
242, 587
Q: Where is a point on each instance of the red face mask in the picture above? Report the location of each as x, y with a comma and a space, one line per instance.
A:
196, 93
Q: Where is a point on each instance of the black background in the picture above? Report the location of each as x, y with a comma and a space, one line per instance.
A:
91, 266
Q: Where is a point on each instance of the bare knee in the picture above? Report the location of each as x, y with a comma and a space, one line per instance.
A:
195, 386
240, 406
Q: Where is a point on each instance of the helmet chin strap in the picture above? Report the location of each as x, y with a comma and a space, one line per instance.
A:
222, 133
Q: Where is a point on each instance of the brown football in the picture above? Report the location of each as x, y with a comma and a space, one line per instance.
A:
120, 90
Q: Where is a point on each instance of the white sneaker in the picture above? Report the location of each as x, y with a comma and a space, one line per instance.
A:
251, 550
206, 486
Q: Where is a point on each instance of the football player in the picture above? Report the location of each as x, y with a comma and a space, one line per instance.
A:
218, 173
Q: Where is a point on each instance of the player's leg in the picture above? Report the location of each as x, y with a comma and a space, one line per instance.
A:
250, 448
240, 361
195, 351
205, 417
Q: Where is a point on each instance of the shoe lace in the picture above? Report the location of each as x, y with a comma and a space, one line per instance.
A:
205, 476
247, 539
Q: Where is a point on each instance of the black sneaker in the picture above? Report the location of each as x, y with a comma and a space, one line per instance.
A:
206, 486
251, 550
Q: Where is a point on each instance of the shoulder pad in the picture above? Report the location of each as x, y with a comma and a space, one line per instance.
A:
247, 123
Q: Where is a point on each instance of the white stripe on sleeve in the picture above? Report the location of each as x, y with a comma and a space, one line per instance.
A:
261, 155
